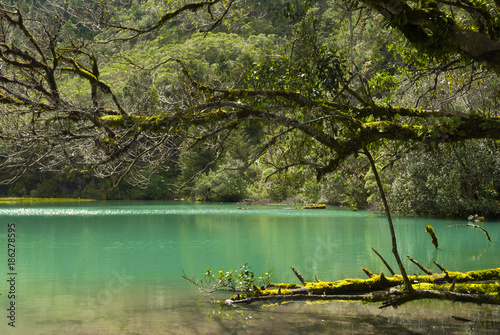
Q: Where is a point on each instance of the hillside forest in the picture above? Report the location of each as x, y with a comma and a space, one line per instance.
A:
266, 101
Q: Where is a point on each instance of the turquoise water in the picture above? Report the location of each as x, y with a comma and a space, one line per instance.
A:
116, 267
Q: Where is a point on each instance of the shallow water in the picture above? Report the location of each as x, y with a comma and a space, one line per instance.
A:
115, 268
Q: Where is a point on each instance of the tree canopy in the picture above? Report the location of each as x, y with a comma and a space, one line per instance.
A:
121, 89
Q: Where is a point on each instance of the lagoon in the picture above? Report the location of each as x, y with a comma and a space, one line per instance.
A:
115, 268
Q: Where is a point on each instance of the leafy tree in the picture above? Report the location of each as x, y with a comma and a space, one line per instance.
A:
227, 184
460, 180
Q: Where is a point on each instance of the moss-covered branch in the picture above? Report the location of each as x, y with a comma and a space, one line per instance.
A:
456, 286
431, 29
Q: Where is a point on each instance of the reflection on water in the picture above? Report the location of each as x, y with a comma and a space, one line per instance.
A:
205, 316
114, 268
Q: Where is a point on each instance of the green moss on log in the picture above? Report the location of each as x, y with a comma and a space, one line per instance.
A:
429, 230
354, 285
450, 285
472, 288
285, 285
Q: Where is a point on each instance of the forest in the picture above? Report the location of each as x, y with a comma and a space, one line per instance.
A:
270, 101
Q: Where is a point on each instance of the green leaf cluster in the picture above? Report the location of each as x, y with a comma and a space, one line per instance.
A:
240, 280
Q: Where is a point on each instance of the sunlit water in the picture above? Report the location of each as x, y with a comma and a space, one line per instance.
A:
116, 267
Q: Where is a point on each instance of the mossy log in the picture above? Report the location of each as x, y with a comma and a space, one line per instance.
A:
456, 286
322, 206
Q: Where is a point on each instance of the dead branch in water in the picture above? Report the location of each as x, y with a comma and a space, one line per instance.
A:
473, 226
427, 271
383, 261
302, 280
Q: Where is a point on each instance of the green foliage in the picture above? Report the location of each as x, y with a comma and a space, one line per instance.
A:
241, 280
280, 187
225, 184
460, 180
194, 160
311, 190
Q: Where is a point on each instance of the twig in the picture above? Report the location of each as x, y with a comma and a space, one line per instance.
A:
473, 226
213, 289
452, 286
199, 286
394, 243
368, 272
441, 268
427, 271
302, 280
383, 260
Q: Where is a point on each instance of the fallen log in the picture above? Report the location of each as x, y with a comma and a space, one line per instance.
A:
346, 297
322, 206
379, 288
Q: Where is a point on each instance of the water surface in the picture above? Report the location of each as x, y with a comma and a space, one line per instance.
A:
115, 268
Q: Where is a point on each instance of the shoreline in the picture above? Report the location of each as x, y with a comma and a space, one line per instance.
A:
20, 200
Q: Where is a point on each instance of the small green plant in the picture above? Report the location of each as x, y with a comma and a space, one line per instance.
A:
242, 280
